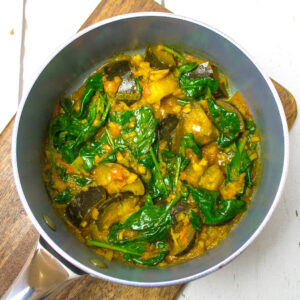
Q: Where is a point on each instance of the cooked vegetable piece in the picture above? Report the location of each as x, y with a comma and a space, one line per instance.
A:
216, 211
166, 129
138, 129
129, 90
201, 71
116, 178
83, 203
64, 197
227, 122
230, 108
67, 134
197, 87
159, 58
195, 220
250, 125
183, 237
188, 141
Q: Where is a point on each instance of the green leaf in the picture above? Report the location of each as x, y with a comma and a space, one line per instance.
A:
195, 220
64, 197
67, 133
152, 261
139, 137
136, 249
227, 122
250, 125
188, 141
187, 67
197, 87
82, 181
215, 211
175, 53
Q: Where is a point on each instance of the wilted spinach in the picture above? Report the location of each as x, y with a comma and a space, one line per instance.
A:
197, 87
187, 67
138, 129
216, 211
227, 122
188, 141
81, 181
240, 163
68, 132
250, 125
195, 220
152, 223
64, 197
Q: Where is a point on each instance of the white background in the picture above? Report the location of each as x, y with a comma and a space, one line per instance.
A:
270, 31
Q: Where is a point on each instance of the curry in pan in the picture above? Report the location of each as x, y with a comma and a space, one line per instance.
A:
152, 160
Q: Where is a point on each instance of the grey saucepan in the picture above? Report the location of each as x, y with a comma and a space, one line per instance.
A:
80, 55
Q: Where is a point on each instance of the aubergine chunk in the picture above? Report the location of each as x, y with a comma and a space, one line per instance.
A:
158, 58
207, 69
123, 203
79, 209
128, 90
203, 70
166, 129
183, 238
183, 233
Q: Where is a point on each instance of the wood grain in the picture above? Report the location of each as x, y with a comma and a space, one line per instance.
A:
17, 234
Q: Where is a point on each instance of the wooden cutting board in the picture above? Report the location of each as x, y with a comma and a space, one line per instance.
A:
17, 234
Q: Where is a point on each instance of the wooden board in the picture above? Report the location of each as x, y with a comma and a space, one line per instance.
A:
17, 234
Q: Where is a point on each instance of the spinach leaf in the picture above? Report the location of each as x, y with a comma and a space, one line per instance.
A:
240, 163
187, 67
138, 129
175, 53
92, 85
188, 141
82, 181
227, 123
216, 211
152, 261
90, 150
250, 125
152, 222
67, 133
64, 197
197, 87
195, 220
134, 248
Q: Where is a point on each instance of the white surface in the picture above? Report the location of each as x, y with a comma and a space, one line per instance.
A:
11, 13
269, 30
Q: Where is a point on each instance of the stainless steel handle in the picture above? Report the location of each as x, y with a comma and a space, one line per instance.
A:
43, 272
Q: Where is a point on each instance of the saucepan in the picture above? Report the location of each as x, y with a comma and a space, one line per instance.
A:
59, 255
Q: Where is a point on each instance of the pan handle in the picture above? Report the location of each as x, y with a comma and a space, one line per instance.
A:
43, 272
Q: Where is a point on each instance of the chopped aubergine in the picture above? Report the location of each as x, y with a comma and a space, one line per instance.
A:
159, 58
183, 236
129, 89
150, 159
79, 209
166, 129
183, 233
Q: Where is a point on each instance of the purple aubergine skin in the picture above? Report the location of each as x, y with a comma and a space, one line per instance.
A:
81, 54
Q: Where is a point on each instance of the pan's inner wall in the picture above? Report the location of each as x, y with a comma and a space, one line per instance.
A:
84, 53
